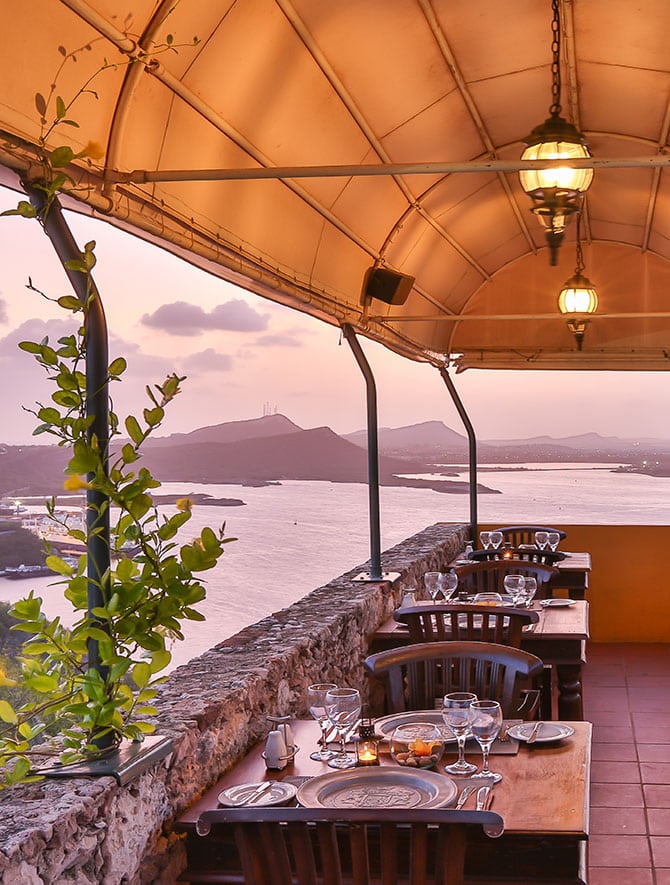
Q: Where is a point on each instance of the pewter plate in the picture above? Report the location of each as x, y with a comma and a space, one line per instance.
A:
557, 602
384, 787
385, 725
278, 794
549, 731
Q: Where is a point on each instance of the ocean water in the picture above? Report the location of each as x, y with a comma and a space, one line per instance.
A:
296, 536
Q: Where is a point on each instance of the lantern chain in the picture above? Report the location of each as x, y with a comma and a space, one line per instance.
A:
555, 108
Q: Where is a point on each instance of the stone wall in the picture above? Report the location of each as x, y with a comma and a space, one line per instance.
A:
91, 830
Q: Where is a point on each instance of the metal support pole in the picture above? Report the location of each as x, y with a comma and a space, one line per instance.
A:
373, 453
472, 450
97, 405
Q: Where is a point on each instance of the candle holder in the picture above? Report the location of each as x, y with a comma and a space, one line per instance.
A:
367, 745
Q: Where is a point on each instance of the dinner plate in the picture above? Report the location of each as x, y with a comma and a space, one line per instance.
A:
386, 725
278, 794
557, 603
384, 787
549, 731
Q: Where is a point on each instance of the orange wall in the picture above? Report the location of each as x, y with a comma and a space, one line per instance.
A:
629, 592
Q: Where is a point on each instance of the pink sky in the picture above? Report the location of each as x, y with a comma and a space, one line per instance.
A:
240, 352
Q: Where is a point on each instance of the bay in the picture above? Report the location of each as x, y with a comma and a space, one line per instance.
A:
297, 536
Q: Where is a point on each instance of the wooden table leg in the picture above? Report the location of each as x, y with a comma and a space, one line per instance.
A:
570, 701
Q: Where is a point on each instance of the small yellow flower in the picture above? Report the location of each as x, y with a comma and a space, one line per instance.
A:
94, 150
184, 504
5, 681
76, 484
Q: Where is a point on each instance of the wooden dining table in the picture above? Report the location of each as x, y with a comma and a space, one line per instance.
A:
573, 573
558, 638
543, 799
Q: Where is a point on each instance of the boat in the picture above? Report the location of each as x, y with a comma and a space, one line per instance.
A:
15, 573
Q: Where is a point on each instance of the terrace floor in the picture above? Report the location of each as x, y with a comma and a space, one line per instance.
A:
627, 698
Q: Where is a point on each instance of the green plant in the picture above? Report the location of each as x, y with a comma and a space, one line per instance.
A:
92, 700
145, 598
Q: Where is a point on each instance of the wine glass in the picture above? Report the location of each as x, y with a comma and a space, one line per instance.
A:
486, 721
515, 586
485, 538
435, 584
496, 539
316, 701
450, 584
529, 590
541, 540
554, 539
456, 716
343, 706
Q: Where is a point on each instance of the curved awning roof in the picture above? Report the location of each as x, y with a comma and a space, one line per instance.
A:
310, 83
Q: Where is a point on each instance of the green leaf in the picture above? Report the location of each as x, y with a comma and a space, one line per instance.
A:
61, 156
42, 683
153, 417
61, 110
160, 660
56, 564
23, 208
118, 366
134, 429
7, 713
69, 302
141, 674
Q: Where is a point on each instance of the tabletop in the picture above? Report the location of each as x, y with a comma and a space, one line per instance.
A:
544, 790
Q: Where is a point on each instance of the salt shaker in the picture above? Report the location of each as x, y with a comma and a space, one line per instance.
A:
275, 750
287, 734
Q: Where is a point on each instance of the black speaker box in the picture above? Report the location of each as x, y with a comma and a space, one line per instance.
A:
386, 285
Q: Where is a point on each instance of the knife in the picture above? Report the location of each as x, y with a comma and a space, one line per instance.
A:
250, 798
532, 737
482, 796
465, 795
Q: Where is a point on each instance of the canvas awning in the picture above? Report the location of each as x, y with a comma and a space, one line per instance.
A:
310, 83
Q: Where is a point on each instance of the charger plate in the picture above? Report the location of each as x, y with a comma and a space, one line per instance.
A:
383, 787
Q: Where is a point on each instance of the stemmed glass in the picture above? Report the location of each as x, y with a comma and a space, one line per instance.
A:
435, 584
554, 539
486, 721
316, 701
514, 585
343, 706
451, 583
529, 590
541, 540
496, 539
456, 715
485, 538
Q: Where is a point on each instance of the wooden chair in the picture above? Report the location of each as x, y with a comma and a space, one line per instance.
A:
481, 623
362, 846
525, 534
488, 576
417, 676
546, 557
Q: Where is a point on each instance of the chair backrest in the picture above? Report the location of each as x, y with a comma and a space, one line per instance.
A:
525, 534
546, 557
488, 576
487, 623
417, 676
313, 846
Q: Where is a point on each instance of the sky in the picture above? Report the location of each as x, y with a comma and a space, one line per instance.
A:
244, 355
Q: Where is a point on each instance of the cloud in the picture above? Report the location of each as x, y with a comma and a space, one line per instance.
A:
208, 360
279, 340
181, 318
3, 311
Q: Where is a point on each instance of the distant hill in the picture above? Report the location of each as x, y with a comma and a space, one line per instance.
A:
231, 431
427, 438
317, 454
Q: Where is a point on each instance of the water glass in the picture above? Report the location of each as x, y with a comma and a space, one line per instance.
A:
456, 715
529, 590
485, 722
541, 540
316, 701
485, 539
554, 539
435, 583
343, 706
451, 583
515, 586
496, 539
